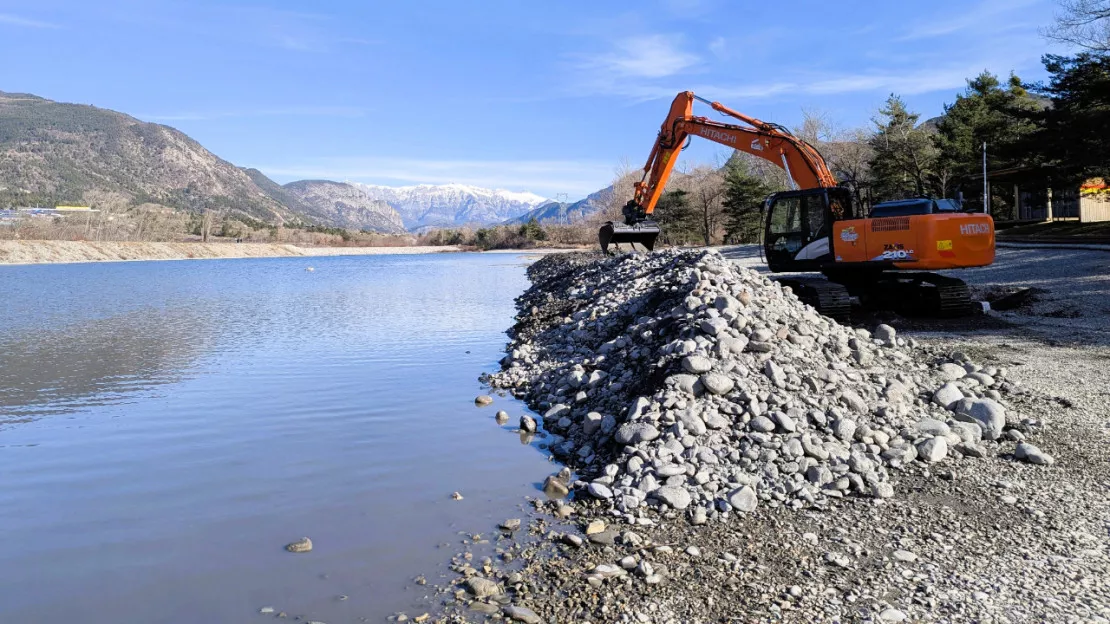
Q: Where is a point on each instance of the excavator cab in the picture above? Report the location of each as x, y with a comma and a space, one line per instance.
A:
798, 227
637, 229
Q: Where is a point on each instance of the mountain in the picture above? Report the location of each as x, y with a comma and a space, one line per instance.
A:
452, 205
342, 205
52, 152
554, 212
56, 153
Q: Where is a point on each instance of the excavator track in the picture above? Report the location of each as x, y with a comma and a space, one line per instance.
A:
829, 298
916, 294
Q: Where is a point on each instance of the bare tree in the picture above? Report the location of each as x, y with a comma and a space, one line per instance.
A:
206, 225
1084, 23
847, 151
705, 187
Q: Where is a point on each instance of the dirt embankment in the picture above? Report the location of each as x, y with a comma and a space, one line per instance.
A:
39, 252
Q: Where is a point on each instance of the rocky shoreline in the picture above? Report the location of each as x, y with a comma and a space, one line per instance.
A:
740, 458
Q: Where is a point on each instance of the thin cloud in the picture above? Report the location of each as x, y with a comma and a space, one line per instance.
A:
906, 82
576, 178
16, 20
980, 17
303, 111
719, 47
648, 56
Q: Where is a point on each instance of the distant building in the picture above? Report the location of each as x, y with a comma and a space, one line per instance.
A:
1094, 201
1035, 202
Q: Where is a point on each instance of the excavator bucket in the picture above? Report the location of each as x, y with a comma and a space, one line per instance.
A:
642, 233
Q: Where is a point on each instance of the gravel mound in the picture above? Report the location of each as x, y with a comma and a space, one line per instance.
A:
678, 381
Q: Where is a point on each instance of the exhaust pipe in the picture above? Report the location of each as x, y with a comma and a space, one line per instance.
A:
642, 233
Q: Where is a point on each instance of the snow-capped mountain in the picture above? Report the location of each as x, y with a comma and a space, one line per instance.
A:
446, 205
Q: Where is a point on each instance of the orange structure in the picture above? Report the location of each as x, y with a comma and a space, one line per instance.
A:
821, 227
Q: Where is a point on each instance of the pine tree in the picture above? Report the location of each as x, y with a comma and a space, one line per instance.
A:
743, 198
985, 112
676, 218
1073, 140
904, 154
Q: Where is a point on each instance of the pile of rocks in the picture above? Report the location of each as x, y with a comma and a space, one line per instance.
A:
679, 381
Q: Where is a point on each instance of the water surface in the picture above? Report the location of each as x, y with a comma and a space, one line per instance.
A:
166, 427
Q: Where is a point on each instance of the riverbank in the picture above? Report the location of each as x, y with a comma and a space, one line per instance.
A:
812, 473
47, 252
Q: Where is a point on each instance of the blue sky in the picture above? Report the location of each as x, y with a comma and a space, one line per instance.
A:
549, 97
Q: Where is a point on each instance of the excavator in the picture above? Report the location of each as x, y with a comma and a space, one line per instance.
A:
882, 256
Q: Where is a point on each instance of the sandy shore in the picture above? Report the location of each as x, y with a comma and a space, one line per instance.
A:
41, 252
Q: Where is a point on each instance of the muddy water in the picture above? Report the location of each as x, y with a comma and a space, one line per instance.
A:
166, 427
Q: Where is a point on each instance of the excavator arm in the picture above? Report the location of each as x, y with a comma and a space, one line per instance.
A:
802, 163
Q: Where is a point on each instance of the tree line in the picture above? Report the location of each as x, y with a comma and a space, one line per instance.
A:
1051, 133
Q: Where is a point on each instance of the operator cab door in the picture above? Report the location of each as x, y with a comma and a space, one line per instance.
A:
798, 234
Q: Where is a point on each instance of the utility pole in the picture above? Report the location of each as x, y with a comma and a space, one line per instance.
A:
986, 184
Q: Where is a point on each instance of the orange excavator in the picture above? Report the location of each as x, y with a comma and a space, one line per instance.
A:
882, 256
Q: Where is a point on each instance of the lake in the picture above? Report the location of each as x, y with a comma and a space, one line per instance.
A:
167, 427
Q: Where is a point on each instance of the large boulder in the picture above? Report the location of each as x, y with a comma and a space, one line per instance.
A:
947, 395
987, 413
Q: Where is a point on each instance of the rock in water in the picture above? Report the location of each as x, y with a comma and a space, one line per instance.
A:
555, 488
482, 400
511, 524
502, 416
527, 424
482, 588
302, 545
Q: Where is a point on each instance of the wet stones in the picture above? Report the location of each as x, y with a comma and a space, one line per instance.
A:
555, 488
483, 400
302, 545
482, 587
522, 614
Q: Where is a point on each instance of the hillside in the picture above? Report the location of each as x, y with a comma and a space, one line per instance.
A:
340, 205
562, 213
70, 153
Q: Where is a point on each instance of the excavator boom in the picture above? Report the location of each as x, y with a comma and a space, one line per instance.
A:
803, 164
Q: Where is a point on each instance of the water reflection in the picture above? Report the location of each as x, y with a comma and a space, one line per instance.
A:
205, 414
97, 361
